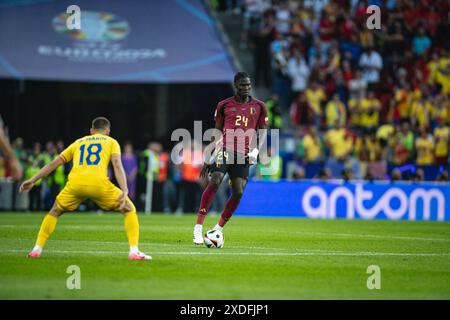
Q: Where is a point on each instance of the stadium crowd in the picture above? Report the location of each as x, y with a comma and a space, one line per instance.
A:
358, 98
176, 187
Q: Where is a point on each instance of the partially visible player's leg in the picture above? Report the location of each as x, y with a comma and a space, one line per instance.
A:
205, 203
67, 200
131, 225
107, 200
238, 176
48, 225
208, 195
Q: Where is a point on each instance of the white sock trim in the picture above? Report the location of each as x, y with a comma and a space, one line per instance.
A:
37, 248
217, 227
198, 227
134, 249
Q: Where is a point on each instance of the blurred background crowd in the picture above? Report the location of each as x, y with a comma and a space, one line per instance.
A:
176, 187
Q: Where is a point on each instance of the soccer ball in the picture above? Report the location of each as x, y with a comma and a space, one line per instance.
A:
214, 239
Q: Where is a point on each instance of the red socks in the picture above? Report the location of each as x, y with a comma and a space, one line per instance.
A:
230, 207
205, 204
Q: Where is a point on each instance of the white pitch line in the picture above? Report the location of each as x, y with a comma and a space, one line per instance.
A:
171, 245
156, 244
330, 253
84, 227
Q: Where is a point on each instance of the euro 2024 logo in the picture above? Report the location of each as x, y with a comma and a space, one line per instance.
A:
90, 25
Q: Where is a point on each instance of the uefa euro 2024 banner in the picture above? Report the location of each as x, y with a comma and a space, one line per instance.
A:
359, 200
150, 41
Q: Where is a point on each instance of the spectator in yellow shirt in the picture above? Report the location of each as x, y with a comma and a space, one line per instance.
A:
442, 76
370, 109
354, 108
440, 109
402, 103
424, 147
432, 67
315, 95
442, 138
421, 112
413, 96
335, 112
384, 132
371, 149
339, 143
312, 146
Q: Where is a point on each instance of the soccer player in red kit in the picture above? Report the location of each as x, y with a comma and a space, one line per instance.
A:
237, 118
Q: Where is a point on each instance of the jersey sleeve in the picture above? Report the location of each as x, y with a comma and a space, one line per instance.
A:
67, 154
263, 118
115, 147
218, 114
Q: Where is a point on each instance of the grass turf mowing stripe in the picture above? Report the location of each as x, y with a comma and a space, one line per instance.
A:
306, 253
312, 233
149, 245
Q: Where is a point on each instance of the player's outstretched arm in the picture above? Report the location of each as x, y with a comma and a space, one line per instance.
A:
46, 170
9, 155
121, 178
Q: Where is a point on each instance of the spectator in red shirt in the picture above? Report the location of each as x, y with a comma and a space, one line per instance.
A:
326, 32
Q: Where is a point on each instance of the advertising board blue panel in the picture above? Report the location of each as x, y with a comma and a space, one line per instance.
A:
358, 200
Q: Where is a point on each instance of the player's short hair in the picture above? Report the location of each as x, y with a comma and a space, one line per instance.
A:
101, 123
240, 75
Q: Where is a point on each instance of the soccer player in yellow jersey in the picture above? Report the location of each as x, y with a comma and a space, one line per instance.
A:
88, 179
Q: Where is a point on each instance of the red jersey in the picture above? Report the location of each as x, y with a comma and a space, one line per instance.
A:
240, 120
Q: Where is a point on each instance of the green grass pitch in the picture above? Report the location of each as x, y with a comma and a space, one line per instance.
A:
263, 258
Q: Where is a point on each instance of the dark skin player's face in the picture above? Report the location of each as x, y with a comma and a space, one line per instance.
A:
243, 87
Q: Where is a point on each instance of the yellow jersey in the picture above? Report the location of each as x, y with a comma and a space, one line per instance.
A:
424, 148
422, 111
432, 68
385, 131
374, 149
90, 156
335, 111
442, 76
369, 118
442, 137
354, 107
340, 145
312, 148
401, 98
315, 98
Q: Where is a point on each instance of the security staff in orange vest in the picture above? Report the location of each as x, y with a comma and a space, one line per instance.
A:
190, 191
